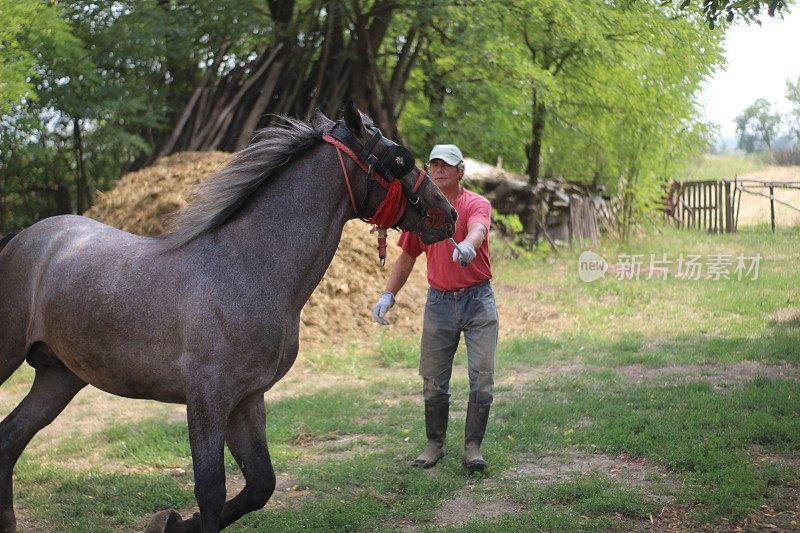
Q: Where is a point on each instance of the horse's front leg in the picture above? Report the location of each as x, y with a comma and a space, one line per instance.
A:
207, 417
207, 414
247, 439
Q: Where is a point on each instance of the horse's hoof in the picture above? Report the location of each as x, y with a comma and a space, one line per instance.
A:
8, 522
163, 521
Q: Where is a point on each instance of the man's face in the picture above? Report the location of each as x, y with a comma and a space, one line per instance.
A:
445, 176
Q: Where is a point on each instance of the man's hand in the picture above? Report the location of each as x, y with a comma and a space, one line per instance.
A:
464, 252
379, 310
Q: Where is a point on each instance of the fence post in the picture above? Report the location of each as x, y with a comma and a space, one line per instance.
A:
772, 207
700, 204
715, 212
728, 208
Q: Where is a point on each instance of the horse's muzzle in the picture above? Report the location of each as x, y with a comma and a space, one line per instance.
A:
434, 225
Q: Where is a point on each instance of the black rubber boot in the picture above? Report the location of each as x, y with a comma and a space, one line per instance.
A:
477, 417
436, 428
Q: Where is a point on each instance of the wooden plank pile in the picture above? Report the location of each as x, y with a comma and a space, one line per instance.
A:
553, 209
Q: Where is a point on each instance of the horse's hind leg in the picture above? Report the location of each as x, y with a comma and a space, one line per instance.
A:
12, 354
8, 367
53, 387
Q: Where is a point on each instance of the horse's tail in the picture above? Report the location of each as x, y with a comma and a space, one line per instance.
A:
7, 239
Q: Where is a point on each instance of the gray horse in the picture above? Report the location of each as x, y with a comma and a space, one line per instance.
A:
207, 315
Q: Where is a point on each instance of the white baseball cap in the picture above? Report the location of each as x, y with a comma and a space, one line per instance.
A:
449, 153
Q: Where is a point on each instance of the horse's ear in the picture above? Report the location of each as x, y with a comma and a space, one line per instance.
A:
320, 119
352, 119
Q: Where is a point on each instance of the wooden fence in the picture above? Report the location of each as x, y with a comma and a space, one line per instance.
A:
760, 188
706, 205
714, 205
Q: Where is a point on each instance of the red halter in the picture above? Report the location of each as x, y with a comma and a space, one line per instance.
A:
390, 210
388, 213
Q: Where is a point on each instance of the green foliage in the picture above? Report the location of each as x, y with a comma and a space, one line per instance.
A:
616, 83
757, 126
116, 73
793, 95
509, 224
749, 10
606, 88
514, 241
29, 30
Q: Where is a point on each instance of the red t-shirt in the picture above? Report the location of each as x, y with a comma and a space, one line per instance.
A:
443, 273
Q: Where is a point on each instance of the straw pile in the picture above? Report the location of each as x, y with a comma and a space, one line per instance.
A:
341, 304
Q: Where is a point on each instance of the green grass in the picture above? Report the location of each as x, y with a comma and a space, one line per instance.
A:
394, 352
67, 500
718, 167
347, 446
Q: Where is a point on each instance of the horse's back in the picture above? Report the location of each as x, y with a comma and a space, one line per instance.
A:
99, 297
126, 314
61, 258
48, 247
55, 233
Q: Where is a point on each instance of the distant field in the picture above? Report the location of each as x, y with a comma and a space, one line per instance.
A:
754, 209
718, 167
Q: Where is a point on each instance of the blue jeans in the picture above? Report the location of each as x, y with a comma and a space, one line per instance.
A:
448, 314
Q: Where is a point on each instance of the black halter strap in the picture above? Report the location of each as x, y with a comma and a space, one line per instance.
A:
400, 158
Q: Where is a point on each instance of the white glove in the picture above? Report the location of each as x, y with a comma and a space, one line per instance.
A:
385, 302
464, 252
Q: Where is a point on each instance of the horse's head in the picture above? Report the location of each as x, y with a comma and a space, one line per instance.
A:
395, 192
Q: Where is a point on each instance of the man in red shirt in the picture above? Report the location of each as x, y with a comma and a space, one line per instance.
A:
460, 300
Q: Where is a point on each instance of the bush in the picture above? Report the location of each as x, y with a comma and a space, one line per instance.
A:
786, 156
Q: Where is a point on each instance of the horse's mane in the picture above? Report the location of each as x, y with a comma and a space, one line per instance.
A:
217, 199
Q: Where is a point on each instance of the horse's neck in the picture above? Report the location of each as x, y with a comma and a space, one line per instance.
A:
287, 235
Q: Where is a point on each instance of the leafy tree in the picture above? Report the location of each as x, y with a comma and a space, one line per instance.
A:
27, 31
793, 95
757, 126
101, 95
600, 93
748, 10
597, 91
38, 55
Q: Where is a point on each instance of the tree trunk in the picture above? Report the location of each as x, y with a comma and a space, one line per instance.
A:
3, 188
80, 175
258, 109
535, 148
63, 201
337, 57
187, 112
215, 133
